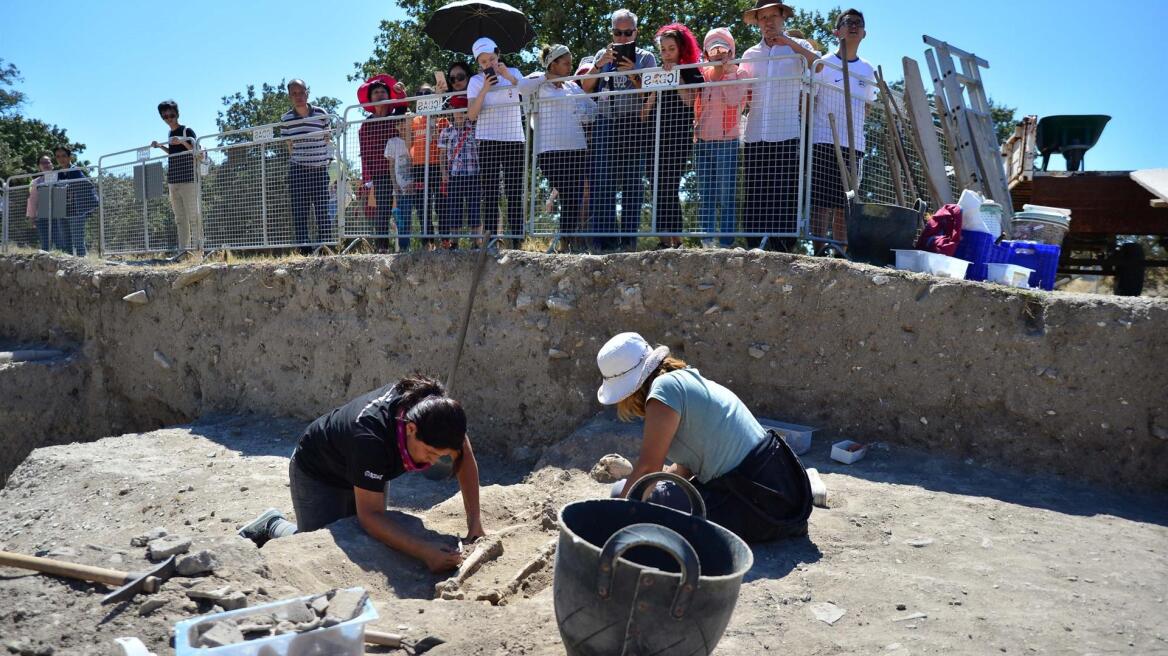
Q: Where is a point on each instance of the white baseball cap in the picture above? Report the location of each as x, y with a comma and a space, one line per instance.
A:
625, 362
483, 45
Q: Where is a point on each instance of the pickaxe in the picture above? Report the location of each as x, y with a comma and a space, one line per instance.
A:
128, 583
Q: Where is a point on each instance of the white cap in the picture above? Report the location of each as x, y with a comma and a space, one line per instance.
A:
626, 361
483, 45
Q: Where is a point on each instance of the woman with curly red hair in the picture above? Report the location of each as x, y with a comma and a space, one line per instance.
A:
678, 47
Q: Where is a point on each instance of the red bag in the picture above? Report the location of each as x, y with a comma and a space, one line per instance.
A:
943, 231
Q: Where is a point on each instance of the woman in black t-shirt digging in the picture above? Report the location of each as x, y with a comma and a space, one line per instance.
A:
345, 458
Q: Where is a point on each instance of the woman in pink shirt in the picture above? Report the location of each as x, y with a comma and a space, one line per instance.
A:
718, 111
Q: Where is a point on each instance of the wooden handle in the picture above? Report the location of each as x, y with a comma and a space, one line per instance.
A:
382, 638
68, 570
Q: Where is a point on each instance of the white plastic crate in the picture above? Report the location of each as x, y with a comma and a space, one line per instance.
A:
796, 436
1009, 274
344, 639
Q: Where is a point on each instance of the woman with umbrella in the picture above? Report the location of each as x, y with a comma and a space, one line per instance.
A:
493, 103
374, 132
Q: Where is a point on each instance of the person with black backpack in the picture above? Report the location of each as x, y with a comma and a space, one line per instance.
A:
80, 201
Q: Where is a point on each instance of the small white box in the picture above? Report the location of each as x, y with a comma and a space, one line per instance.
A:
848, 451
344, 639
796, 436
1009, 274
932, 263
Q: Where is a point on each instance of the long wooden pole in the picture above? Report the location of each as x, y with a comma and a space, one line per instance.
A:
855, 177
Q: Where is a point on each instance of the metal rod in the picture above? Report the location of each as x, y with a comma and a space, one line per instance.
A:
656, 175
264, 192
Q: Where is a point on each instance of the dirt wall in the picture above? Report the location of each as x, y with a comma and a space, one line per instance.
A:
1072, 384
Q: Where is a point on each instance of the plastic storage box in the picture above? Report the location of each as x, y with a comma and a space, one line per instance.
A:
1042, 258
1009, 274
1045, 225
975, 248
848, 451
934, 263
344, 639
796, 436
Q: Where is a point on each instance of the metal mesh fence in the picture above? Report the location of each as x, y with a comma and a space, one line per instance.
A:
139, 203
673, 158
52, 211
273, 186
426, 173
21, 226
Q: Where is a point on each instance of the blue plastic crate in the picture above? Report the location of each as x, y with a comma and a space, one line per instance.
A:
975, 248
1043, 258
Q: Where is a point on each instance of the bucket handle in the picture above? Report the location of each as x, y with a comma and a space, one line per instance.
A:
697, 504
660, 537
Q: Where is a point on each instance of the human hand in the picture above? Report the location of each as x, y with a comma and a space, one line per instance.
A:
174, 141
667, 66
607, 58
502, 71
399, 88
474, 532
625, 64
155, 144
440, 558
441, 87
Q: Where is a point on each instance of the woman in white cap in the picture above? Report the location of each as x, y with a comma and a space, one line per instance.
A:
751, 481
562, 110
493, 97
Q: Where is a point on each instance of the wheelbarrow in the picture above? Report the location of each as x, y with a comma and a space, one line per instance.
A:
634, 577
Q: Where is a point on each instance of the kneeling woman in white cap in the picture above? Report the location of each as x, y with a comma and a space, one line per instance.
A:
751, 481
345, 459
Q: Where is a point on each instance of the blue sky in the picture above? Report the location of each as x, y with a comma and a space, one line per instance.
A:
100, 68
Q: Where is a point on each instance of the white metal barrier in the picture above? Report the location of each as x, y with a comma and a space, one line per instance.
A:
141, 198
260, 188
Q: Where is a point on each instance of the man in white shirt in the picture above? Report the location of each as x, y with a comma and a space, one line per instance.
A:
828, 197
770, 151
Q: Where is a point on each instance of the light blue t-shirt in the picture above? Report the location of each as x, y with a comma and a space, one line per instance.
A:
717, 430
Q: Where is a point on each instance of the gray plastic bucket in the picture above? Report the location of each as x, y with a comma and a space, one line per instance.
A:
637, 578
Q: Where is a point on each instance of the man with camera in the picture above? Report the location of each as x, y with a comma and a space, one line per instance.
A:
621, 141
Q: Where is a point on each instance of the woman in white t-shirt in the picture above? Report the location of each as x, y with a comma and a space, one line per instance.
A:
493, 97
562, 110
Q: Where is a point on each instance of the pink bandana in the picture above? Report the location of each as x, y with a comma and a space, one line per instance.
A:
407, 461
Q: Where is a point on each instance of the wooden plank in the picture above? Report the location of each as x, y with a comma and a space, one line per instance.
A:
1101, 203
957, 51
946, 120
924, 134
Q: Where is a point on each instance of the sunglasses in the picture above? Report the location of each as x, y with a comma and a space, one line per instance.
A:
851, 22
169, 115
458, 78
616, 32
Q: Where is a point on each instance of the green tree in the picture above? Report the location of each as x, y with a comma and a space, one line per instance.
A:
247, 108
403, 50
23, 140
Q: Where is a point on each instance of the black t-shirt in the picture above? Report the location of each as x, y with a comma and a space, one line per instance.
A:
355, 445
676, 117
181, 166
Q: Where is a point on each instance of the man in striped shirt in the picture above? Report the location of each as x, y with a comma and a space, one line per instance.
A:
310, 155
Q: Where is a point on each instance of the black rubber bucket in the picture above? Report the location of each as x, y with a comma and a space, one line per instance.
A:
636, 578
874, 229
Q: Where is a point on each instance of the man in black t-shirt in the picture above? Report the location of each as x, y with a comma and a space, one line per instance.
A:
180, 177
344, 459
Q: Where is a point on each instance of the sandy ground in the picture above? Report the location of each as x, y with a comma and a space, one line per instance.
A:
1009, 563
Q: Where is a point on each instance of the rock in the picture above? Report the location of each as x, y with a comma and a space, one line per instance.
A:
262, 623
713, 309
560, 304
192, 276
880, 280
284, 627
630, 299
223, 632
200, 562
345, 605
919, 542
523, 301
280, 273
756, 353
557, 354
295, 613
167, 546
226, 597
611, 468
137, 298
320, 605
826, 612
150, 605
913, 616
162, 360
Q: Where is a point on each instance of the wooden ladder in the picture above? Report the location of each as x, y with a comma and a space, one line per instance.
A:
967, 121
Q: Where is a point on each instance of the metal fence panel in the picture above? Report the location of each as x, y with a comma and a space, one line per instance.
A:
260, 188
431, 173
142, 210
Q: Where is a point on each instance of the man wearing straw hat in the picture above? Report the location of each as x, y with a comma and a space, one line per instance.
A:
770, 151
